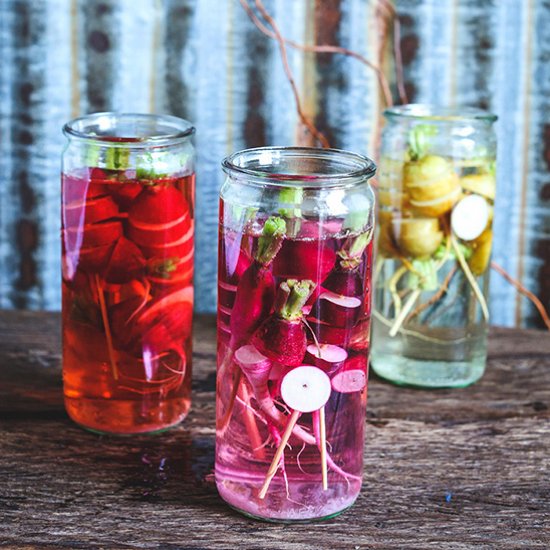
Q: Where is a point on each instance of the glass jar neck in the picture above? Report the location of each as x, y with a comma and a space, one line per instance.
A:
133, 130
301, 167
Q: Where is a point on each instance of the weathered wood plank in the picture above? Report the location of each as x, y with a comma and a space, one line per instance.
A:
444, 469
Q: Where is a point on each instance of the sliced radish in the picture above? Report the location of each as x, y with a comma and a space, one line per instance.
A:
158, 205
255, 365
95, 234
95, 210
160, 233
126, 262
181, 296
179, 248
349, 381
94, 258
336, 309
226, 294
76, 190
326, 356
329, 334
469, 217
305, 389
306, 259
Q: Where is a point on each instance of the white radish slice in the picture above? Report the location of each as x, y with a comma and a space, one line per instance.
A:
340, 300
305, 389
469, 217
349, 381
254, 364
328, 352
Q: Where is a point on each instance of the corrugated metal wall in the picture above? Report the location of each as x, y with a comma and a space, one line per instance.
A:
205, 61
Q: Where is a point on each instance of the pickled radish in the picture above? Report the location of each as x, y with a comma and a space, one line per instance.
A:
305, 389
95, 234
282, 336
78, 214
349, 381
326, 356
304, 259
470, 217
338, 310
126, 263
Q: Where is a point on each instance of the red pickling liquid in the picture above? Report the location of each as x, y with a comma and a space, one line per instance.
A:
127, 299
246, 441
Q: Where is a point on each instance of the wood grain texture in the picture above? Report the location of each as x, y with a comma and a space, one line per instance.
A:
444, 469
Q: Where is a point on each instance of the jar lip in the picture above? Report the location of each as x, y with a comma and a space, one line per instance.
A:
349, 168
426, 111
164, 129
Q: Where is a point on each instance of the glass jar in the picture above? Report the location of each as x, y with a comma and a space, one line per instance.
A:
127, 263
436, 194
296, 226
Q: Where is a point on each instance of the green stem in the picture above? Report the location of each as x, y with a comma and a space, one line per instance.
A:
271, 240
297, 294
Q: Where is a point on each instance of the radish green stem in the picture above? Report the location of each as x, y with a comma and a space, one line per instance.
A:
297, 293
107, 327
404, 312
278, 455
271, 240
471, 278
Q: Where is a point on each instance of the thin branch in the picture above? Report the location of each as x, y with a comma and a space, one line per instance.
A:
284, 57
522, 290
322, 48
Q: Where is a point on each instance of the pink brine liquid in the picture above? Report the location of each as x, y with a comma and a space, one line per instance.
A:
285, 302
127, 298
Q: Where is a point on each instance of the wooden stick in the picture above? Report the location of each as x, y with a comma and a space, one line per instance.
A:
252, 426
280, 450
224, 422
108, 334
323, 443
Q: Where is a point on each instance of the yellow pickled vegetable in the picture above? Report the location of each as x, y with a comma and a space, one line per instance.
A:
386, 245
479, 260
437, 207
417, 237
482, 184
430, 178
392, 198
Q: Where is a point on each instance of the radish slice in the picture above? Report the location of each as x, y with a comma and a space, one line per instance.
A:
336, 309
349, 381
339, 300
255, 365
305, 389
327, 356
470, 217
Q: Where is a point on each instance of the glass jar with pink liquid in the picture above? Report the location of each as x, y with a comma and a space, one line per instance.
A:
295, 255
127, 261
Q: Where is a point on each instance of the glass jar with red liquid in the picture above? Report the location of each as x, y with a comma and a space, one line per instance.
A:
295, 253
127, 265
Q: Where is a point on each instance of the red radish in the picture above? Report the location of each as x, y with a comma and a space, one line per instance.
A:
126, 263
326, 356
349, 381
125, 192
254, 365
329, 334
78, 190
77, 214
256, 288
305, 389
95, 234
93, 258
157, 205
180, 248
303, 259
234, 259
347, 282
170, 273
338, 310
282, 336
226, 294
157, 234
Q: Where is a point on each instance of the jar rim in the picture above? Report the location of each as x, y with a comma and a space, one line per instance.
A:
347, 168
426, 111
161, 129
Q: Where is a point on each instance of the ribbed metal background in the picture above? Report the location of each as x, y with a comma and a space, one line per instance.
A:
205, 61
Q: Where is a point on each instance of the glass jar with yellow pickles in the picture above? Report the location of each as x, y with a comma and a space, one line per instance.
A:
436, 195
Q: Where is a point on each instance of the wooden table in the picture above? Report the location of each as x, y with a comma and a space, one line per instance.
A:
444, 469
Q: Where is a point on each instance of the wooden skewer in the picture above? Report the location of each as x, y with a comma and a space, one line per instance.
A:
107, 327
280, 450
323, 443
224, 422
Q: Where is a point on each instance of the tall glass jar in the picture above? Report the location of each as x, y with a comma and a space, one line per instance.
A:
436, 194
296, 226
127, 236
